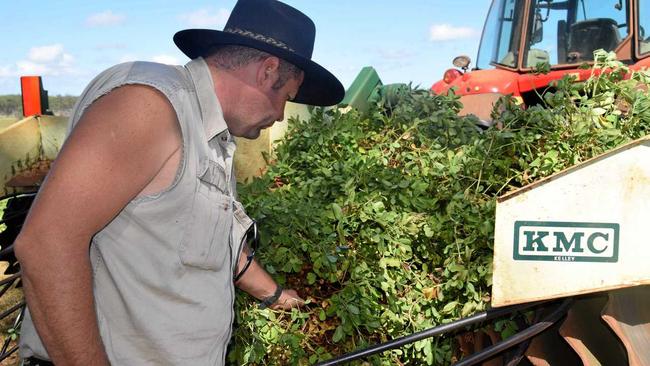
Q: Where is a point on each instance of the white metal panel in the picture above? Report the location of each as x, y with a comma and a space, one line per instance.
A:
582, 230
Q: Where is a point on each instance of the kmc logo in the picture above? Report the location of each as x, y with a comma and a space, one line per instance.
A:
566, 241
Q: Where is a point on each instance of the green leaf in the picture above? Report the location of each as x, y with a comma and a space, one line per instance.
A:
467, 309
598, 111
353, 309
427, 231
390, 262
449, 307
378, 206
338, 212
311, 278
338, 334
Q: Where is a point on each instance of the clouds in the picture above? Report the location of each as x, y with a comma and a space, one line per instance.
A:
105, 19
6, 71
48, 60
165, 59
396, 54
206, 18
161, 58
48, 54
402, 55
111, 46
446, 32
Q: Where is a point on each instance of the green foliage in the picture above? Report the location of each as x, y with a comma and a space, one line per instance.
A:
384, 221
62, 104
14, 332
3, 205
11, 105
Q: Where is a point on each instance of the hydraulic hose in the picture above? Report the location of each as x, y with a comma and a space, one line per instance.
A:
446, 328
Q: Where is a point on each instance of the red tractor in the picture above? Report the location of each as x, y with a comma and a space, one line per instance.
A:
521, 35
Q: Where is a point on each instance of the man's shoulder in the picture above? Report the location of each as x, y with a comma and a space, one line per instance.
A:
157, 74
166, 78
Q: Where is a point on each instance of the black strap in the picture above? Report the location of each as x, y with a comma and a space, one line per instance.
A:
251, 236
272, 299
33, 361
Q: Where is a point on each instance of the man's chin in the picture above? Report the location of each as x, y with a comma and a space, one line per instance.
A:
252, 135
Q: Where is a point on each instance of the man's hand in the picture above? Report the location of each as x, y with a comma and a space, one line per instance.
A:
288, 299
259, 284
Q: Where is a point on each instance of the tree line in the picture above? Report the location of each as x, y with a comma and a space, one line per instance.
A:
11, 105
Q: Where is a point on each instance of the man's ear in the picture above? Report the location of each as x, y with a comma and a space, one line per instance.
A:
268, 71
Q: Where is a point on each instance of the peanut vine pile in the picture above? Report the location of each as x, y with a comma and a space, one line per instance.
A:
384, 220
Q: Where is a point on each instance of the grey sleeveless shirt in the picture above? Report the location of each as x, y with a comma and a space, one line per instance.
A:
163, 268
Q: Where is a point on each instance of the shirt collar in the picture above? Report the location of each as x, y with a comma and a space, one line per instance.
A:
211, 111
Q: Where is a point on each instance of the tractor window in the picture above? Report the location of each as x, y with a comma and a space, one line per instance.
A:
600, 24
501, 34
546, 23
569, 31
598, 9
644, 28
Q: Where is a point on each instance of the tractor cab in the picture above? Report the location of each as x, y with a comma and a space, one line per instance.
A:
523, 36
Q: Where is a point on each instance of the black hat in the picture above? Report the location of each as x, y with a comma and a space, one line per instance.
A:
275, 28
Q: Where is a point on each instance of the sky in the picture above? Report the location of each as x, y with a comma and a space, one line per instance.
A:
68, 42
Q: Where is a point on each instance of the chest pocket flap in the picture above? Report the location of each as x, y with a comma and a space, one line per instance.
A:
206, 243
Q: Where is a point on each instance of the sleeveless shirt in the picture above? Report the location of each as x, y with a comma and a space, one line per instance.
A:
163, 268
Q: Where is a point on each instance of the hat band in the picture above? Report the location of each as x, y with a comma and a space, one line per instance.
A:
259, 37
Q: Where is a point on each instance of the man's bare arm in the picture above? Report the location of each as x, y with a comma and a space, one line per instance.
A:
115, 152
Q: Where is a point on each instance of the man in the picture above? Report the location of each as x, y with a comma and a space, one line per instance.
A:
131, 247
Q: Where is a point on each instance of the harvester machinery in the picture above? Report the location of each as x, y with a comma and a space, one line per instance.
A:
526, 45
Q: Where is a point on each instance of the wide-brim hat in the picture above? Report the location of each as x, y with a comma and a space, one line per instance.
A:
278, 29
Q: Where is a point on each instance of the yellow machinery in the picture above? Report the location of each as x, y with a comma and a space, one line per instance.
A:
27, 147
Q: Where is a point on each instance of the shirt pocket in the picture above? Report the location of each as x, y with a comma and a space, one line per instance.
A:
206, 243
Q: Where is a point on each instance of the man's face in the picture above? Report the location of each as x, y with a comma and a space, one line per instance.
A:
265, 105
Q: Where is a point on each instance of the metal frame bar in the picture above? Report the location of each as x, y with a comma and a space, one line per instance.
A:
458, 325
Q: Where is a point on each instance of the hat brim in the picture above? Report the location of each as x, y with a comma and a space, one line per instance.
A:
319, 87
